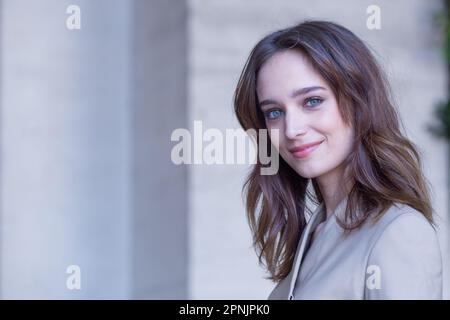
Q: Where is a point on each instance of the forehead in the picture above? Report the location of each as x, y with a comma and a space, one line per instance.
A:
286, 71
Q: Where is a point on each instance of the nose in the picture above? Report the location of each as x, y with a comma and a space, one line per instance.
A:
296, 124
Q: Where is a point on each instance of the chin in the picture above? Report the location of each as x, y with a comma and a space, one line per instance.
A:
308, 174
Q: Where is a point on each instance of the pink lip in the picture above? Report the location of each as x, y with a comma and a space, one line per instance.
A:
305, 150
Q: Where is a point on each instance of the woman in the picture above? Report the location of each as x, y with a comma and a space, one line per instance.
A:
372, 234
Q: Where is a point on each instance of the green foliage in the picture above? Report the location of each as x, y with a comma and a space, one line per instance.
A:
446, 28
443, 109
442, 112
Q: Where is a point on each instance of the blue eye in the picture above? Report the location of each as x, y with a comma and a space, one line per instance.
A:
272, 114
312, 102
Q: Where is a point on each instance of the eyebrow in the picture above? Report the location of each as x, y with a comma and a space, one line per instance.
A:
294, 94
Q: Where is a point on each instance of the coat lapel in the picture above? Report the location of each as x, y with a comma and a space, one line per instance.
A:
318, 216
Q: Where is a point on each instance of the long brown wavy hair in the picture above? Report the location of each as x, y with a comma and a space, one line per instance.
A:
384, 164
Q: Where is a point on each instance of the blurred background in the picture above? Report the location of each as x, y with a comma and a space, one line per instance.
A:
92, 207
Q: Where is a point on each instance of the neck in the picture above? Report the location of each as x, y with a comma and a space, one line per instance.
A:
334, 187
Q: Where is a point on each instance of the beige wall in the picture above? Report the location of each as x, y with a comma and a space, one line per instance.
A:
222, 34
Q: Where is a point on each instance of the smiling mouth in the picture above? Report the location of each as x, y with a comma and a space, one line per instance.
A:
305, 152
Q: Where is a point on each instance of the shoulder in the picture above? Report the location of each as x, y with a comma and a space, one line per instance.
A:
402, 221
402, 224
406, 252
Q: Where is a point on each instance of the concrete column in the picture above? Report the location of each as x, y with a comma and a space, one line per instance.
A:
86, 175
160, 189
66, 151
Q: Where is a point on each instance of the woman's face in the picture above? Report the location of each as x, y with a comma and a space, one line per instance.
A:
296, 100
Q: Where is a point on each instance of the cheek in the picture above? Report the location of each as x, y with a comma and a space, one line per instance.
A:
332, 123
276, 135
340, 142
338, 135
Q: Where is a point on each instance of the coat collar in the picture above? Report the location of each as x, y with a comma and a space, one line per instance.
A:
319, 215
